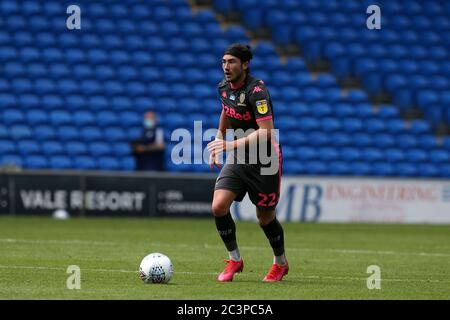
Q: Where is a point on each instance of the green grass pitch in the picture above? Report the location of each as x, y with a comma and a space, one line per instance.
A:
327, 261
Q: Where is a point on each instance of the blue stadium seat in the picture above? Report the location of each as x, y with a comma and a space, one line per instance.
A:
99, 149
321, 110
130, 118
128, 163
330, 125
19, 132
60, 117
135, 132
293, 167
416, 155
289, 153
75, 102
363, 140
375, 125
52, 148
36, 117
4, 132
121, 149
7, 146
84, 163
445, 170
350, 154
340, 139
8, 100
352, 125
328, 154
407, 141
83, 118
439, 156
68, 133
107, 119
51, 102
384, 140
44, 132
396, 126
316, 167
89, 134
305, 123
60, 162
36, 162
306, 153
407, 170
114, 134
108, 163
313, 138
339, 168
76, 148
383, 169
11, 160
420, 127
13, 116
28, 147
428, 170
372, 155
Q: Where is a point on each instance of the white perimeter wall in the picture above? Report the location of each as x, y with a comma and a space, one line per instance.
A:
358, 200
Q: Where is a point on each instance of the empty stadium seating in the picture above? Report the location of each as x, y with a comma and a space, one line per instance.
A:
75, 99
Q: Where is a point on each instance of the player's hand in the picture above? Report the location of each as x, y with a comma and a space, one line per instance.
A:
214, 162
217, 146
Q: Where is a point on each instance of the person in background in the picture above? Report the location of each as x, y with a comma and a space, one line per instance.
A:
149, 148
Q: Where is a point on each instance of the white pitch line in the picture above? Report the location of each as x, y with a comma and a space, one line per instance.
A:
206, 246
296, 277
93, 270
38, 241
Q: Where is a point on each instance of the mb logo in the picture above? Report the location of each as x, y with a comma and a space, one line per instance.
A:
74, 280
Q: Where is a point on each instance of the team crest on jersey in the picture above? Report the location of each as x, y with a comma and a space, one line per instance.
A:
242, 99
262, 107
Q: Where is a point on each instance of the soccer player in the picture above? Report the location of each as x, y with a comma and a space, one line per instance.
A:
246, 105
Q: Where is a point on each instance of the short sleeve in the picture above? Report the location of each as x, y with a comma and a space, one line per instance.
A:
260, 102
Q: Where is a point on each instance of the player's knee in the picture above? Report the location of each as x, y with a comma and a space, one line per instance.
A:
265, 218
219, 209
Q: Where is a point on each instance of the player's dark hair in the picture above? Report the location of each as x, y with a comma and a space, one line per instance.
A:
241, 51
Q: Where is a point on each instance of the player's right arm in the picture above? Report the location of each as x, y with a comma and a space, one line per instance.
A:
224, 124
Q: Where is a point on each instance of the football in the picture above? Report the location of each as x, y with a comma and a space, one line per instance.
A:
156, 268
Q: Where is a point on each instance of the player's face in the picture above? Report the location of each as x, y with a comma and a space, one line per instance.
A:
233, 68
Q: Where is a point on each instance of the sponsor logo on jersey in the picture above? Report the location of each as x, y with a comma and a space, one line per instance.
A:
232, 97
262, 107
232, 113
257, 89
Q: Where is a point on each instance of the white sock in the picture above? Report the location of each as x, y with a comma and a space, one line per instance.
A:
279, 259
235, 255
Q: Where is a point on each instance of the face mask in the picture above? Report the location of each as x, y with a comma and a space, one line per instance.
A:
148, 123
